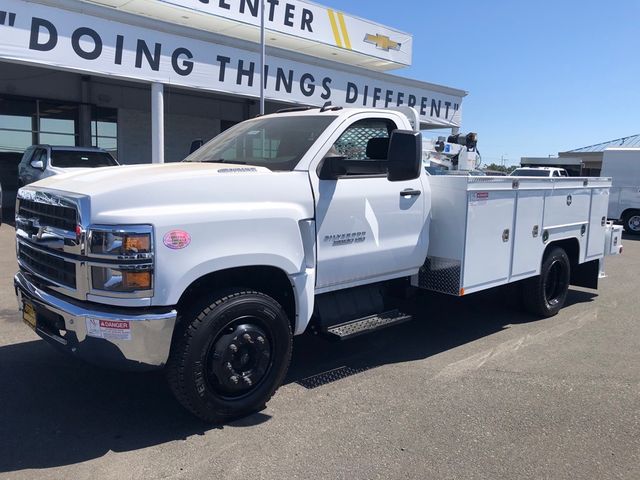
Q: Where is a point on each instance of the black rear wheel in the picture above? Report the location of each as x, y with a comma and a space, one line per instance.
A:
230, 356
545, 294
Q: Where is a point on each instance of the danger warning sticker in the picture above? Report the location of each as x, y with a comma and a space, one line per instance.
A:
109, 329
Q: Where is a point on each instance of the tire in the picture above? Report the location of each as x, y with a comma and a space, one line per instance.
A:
229, 357
631, 222
545, 294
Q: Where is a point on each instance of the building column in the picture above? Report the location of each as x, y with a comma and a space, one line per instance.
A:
84, 132
157, 123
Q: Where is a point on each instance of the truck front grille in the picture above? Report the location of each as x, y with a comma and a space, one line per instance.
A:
48, 266
57, 216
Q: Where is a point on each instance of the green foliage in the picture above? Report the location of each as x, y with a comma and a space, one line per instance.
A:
500, 168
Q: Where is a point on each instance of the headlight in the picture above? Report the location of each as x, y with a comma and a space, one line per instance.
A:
121, 259
120, 279
131, 242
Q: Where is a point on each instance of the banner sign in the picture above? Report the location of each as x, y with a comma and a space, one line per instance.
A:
296, 18
38, 34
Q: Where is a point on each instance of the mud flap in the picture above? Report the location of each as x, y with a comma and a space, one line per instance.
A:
586, 274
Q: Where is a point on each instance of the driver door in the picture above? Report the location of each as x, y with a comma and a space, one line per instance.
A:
368, 228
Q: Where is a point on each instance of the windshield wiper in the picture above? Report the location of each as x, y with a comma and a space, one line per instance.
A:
222, 160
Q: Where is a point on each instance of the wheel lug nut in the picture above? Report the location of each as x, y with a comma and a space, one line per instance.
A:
247, 380
260, 340
247, 338
233, 379
233, 348
228, 366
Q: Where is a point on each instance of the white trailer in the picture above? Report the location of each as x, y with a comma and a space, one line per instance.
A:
311, 219
623, 166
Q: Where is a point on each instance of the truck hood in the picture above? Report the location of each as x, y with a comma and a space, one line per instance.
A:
97, 181
168, 192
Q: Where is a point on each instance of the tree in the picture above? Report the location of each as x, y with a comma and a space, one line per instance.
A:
500, 168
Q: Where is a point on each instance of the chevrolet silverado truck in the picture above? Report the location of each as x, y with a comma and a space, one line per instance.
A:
308, 219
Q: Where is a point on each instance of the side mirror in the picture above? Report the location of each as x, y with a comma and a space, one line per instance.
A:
405, 155
38, 164
195, 145
332, 167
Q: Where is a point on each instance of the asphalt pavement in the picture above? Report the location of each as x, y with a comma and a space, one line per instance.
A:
471, 389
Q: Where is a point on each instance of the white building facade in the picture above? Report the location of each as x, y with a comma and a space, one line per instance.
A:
144, 78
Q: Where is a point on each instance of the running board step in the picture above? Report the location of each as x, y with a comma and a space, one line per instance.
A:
368, 324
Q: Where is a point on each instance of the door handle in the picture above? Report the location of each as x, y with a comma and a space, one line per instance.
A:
410, 193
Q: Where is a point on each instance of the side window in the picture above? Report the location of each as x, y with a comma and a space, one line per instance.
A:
555, 173
365, 144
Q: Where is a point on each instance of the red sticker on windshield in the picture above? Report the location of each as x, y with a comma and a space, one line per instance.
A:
176, 239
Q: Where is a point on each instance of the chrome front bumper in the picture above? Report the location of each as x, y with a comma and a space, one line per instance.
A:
130, 338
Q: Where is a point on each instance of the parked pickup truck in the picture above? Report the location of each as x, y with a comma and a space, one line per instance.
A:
310, 219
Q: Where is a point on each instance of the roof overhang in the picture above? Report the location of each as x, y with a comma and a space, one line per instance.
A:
550, 161
296, 25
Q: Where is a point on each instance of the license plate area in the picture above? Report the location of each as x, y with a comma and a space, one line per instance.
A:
29, 314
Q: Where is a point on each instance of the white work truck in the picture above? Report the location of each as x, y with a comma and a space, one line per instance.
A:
310, 219
622, 165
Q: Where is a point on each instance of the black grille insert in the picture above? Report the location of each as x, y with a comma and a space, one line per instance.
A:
56, 216
48, 266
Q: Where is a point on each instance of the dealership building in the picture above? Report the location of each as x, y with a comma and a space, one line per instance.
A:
583, 161
144, 78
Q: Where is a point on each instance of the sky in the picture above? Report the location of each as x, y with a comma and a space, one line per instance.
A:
543, 76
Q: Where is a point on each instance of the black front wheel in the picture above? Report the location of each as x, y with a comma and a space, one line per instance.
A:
230, 356
545, 294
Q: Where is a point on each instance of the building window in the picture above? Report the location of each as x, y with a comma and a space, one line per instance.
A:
17, 125
18, 130
31, 121
58, 123
104, 129
28, 121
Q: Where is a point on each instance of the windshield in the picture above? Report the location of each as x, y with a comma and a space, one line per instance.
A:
277, 143
80, 159
529, 172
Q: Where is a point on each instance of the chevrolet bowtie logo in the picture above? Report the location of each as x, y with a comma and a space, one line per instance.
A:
382, 42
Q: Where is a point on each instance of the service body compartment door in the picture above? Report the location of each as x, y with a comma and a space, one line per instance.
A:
528, 245
489, 237
597, 222
566, 206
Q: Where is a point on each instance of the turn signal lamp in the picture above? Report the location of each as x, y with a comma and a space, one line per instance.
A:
136, 280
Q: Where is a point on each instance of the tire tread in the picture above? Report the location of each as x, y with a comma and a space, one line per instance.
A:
533, 295
178, 357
